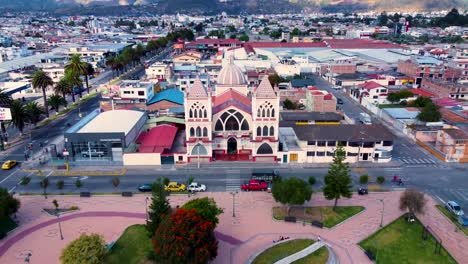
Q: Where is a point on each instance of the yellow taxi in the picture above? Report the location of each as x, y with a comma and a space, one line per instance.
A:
175, 187
9, 164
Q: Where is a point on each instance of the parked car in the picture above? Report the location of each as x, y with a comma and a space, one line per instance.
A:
145, 188
92, 153
339, 101
463, 220
454, 208
9, 164
196, 187
363, 191
255, 185
175, 187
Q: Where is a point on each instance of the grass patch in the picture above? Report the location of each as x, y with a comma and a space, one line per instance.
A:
452, 218
401, 242
382, 106
324, 214
131, 248
282, 250
7, 224
375, 188
320, 256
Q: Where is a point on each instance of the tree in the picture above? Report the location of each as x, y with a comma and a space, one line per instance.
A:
60, 184
8, 204
393, 98
363, 179
381, 179
198, 28
312, 180
290, 105
244, 38
382, 19
413, 201
77, 67
44, 183
63, 87
185, 237
292, 191
41, 80
206, 208
78, 183
115, 182
337, 180
159, 206
190, 180
33, 112
89, 71
74, 83
429, 113
55, 101
421, 101
19, 115
89, 248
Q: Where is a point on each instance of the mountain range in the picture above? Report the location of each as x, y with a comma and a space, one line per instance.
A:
232, 6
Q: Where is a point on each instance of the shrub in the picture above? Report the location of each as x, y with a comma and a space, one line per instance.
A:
78, 184
312, 180
190, 180
381, 179
73, 207
25, 180
166, 181
60, 184
364, 179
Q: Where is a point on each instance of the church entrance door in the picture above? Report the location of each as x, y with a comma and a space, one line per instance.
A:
232, 146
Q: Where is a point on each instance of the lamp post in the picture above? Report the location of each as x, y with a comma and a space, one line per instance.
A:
381, 215
60, 226
146, 208
234, 203
28, 258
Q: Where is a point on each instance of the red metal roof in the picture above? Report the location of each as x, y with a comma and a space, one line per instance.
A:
231, 96
215, 41
271, 44
421, 92
360, 44
328, 97
370, 85
157, 140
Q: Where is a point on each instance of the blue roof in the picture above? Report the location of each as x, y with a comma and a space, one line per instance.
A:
171, 95
401, 113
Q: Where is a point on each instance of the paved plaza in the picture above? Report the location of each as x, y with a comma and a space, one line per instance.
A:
250, 231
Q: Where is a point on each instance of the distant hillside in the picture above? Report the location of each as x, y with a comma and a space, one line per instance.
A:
237, 6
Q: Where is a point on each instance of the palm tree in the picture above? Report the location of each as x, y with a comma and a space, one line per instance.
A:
63, 87
42, 80
19, 115
73, 81
112, 63
76, 67
34, 112
88, 71
55, 101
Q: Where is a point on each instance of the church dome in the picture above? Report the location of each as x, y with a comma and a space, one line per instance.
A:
230, 74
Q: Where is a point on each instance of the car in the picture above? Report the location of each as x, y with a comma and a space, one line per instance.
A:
175, 187
454, 208
9, 164
363, 191
145, 188
339, 101
196, 187
255, 185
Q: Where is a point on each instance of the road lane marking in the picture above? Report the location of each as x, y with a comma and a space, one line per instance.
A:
9, 176
9, 191
439, 198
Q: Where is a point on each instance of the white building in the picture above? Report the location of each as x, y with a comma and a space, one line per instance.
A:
141, 91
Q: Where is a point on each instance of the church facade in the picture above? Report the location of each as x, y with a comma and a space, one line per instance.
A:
231, 121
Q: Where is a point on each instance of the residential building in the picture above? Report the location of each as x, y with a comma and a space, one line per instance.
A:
427, 67
159, 71
370, 92
319, 101
193, 57
134, 89
442, 89
453, 143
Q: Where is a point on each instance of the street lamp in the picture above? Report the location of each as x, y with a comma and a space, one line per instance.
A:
60, 226
28, 258
234, 203
381, 215
146, 208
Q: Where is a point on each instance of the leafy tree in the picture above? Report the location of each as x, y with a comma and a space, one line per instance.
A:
55, 203
413, 201
337, 180
382, 19
190, 180
275, 34
206, 208
74, 82
381, 179
185, 237
78, 184
199, 27
41, 80
312, 180
292, 191
19, 115
166, 181
393, 98
363, 179
44, 183
55, 101
159, 206
115, 182
8, 204
91, 248
429, 113
244, 38
63, 87
60, 184
33, 112
77, 67
421, 101
290, 105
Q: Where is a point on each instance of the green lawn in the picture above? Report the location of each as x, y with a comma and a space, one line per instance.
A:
132, 247
320, 256
381, 106
452, 218
282, 250
324, 214
7, 224
400, 242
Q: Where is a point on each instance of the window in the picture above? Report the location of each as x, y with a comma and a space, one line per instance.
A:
258, 113
331, 143
205, 115
350, 154
311, 143
268, 113
321, 143
190, 113
375, 97
205, 132
265, 131
232, 124
272, 112
263, 113
192, 132
320, 153
245, 126
198, 132
196, 113
272, 131
219, 126
310, 153
387, 143
181, 158
259, 131
330, 153
265, 149
141, 93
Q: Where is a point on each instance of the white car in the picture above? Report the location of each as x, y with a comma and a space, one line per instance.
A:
196, 187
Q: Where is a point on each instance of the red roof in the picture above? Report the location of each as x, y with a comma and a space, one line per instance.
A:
370, 85
360, 44
231, 97
216, 41
328, 97
272, 44
421, 92
157, 140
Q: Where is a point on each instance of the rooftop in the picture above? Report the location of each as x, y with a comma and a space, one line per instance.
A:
113, 122
157, 140
310, 116
456, 133
172, 95
402, 113
350, 133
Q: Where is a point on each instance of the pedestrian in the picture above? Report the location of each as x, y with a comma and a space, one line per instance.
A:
319, 239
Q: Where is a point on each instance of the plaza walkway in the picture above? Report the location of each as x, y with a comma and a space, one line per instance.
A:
252, 230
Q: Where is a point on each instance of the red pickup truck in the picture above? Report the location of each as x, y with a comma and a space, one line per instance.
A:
255, 185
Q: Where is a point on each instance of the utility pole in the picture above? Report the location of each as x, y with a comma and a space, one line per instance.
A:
381, 215
234, 203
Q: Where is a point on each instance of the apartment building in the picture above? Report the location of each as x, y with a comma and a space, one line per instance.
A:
136, 90
427, 67
441, 88
453, 143
193, 57
370, 92
159, 71
319, 101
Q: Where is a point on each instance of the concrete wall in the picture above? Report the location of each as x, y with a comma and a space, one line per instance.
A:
130, 159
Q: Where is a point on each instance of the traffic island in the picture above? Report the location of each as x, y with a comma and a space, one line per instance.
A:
404, 241
282, 250
324, 215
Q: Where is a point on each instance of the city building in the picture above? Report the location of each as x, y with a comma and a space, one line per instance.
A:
453, 144
319, 101
159, 71
136, 90
441, 88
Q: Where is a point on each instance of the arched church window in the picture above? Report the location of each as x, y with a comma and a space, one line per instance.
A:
232, 124
198, 132
265, 131
196, 113
192, 132
263, 113
273, 112
200, 114
205, 132
259, 131
219, 126
205, 115
190, 113
245, 126
258, 112
272, 131
268, 113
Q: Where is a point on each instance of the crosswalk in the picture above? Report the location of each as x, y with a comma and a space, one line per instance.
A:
233, 180
412, 161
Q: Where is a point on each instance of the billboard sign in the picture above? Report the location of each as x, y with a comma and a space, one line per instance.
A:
5, 114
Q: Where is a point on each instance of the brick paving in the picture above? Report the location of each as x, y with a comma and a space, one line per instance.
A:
252, 230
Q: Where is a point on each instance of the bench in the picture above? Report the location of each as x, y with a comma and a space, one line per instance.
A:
127, 194
317, 224
85, 194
